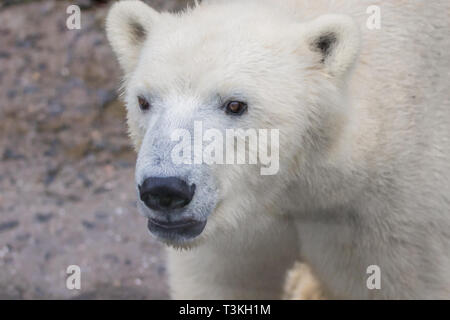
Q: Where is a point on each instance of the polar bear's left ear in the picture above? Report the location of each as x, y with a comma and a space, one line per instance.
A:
127, 26
336, 38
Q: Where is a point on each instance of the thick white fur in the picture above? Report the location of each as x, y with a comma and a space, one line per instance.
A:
120, 23
365, 142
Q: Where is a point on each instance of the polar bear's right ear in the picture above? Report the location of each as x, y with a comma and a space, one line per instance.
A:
336, 39
127, 27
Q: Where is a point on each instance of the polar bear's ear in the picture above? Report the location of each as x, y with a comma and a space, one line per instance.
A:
127, 26
336, 38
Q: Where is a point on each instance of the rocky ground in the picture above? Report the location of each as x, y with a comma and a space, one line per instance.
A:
66, 166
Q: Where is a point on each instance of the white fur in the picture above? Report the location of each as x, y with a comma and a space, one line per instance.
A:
364, 140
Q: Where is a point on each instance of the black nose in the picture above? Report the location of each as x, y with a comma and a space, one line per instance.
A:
166, 193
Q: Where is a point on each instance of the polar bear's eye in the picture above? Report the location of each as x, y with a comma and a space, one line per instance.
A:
235, 107
143, 104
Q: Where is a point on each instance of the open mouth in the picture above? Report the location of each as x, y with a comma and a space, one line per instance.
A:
186, 229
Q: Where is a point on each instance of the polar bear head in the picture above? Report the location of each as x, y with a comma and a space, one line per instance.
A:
276, 83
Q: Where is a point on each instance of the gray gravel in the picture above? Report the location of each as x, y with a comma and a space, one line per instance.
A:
66, 174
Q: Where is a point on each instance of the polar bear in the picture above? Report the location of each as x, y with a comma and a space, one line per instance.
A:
364, 143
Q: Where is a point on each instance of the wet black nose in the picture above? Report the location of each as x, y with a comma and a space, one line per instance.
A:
166, 193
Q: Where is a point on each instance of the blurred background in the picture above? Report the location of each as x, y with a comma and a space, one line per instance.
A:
66, 165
